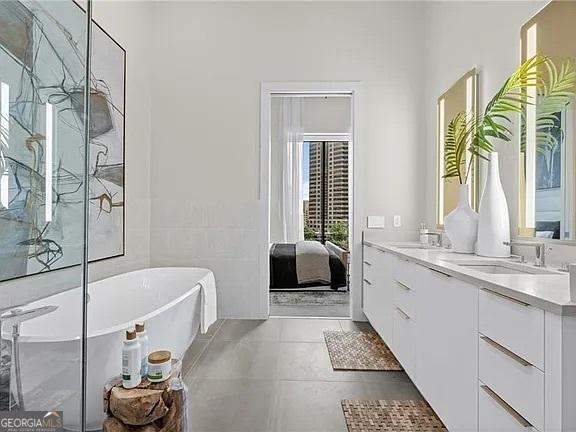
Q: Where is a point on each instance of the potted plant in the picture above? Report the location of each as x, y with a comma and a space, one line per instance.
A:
469, 137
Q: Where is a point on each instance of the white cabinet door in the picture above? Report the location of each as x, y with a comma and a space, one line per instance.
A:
404, 343
378, 284
447, 348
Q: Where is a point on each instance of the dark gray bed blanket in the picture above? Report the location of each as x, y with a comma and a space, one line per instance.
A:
283, 269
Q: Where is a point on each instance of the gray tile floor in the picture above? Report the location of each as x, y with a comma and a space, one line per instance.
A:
276, 376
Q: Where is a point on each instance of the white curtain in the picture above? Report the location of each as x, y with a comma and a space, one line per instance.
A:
291, 207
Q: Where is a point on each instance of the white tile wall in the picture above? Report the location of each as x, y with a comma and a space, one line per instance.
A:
220, 236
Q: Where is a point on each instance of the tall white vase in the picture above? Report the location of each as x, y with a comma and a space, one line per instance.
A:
461, 224
494, 222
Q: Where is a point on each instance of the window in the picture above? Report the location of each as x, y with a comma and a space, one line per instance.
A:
325, 191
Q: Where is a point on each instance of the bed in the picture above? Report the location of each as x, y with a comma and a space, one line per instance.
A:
548, 229
287, 261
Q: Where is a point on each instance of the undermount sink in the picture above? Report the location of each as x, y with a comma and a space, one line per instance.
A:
501, 267
415, 246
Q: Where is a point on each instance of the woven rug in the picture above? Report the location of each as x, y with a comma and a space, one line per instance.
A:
390, 416
316, 298
359, 350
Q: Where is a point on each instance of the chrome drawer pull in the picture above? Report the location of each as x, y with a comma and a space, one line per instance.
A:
367, 281
525, 423
368, 263
401, 285
439, 272
404, 314
520, 302
505, 350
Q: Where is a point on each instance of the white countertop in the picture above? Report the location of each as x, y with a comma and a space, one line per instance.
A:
550, 292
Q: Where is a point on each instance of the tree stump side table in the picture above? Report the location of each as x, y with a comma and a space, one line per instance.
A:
150, 407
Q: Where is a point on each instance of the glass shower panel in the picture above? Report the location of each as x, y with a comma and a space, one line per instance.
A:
42, 209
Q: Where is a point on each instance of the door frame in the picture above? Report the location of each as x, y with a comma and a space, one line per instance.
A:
356, 209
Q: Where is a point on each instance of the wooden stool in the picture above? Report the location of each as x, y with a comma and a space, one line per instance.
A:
150, 407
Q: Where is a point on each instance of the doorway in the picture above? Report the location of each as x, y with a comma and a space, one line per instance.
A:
324, 220
316, 205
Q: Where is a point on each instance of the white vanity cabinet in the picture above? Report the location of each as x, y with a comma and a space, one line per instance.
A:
484, 361
430, 321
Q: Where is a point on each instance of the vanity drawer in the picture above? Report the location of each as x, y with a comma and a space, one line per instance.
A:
495, 415
372, 257
515, 325
371, 274
403, 272
404, 343
405, 299
515, 380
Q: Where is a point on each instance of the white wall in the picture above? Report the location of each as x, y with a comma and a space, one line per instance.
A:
326, 115
211, 59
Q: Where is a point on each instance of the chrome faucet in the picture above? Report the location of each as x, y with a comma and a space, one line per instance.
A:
438, 238
15, 317
540, 250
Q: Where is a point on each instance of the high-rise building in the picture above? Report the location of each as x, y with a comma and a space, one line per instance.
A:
335, 185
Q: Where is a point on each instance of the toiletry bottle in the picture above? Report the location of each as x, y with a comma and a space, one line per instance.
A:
131, 361
144, 348
423, 231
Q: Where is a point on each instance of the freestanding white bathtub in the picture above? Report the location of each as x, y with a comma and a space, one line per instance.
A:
166, 299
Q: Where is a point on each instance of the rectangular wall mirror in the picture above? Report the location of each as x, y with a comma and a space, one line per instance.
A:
547, 195
462, 97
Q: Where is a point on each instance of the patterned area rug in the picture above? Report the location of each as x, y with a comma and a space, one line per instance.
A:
359, 350
317, 298
390, 416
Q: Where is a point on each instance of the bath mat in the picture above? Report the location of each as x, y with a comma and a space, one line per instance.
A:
318, 298
390, 416
359, 351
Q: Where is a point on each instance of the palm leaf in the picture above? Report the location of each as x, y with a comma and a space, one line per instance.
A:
459, 134
511, 98
557, 91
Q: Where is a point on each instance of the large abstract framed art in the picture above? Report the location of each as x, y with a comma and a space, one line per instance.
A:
42, 81
107, 135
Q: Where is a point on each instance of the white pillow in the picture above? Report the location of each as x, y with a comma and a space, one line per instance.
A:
545, 234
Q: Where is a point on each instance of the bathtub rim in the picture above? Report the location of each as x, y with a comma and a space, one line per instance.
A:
23, 338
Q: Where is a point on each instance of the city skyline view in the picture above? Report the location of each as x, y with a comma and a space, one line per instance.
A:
325, 191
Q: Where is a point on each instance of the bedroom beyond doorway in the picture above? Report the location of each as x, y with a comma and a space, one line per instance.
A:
310, 211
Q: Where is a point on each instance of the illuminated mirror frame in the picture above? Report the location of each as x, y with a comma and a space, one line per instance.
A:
470, 106
563, 20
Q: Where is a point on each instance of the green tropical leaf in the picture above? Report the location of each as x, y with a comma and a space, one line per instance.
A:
555, 89
459, 135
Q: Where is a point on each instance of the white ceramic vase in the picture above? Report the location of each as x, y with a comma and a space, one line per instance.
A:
461, 224
494, 222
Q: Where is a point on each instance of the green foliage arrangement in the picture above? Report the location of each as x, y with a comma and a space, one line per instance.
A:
466, 133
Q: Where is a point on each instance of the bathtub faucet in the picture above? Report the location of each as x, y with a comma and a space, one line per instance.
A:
15, 317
